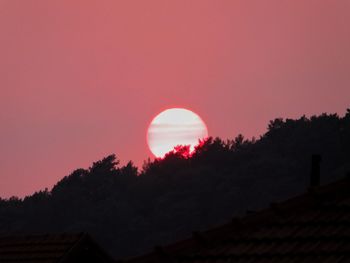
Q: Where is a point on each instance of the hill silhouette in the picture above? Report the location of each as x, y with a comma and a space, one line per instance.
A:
130, 211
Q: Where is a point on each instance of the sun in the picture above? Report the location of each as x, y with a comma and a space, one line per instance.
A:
173, 127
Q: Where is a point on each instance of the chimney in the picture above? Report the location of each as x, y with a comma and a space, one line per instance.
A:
315, 170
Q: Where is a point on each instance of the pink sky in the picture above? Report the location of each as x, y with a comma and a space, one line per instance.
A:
83, 79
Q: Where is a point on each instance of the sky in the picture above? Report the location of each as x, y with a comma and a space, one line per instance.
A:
80, 80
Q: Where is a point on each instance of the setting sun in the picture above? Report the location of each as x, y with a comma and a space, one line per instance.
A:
173, 127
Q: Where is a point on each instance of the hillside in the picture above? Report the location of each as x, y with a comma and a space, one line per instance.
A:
130, 211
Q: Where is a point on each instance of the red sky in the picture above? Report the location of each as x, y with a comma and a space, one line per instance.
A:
82, 79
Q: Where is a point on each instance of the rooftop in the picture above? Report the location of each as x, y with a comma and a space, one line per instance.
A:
314, 227
51, 248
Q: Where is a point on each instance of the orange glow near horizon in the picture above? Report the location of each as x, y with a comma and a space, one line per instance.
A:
173, 127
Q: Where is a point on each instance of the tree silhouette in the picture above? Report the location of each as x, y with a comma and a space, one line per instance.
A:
129, 211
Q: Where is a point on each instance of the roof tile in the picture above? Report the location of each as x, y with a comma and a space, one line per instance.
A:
314, 227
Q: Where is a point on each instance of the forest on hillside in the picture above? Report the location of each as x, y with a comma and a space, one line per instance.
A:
130, 210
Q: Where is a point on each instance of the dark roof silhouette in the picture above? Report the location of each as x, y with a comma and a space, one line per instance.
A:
314, 227
61, 248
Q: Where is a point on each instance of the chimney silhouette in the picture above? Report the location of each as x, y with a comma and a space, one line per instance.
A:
315, 170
